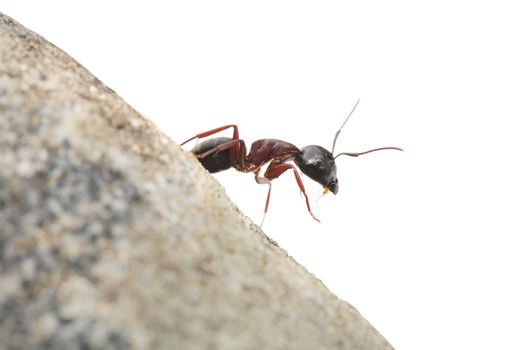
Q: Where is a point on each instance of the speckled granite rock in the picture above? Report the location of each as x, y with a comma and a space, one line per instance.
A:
111, 237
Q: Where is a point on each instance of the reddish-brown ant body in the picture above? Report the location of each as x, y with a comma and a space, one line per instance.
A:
316, 162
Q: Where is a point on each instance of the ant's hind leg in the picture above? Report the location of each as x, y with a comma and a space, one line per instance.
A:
237, 154
221, 147
214, 131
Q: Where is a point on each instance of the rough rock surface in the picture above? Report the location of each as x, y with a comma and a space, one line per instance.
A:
111, 237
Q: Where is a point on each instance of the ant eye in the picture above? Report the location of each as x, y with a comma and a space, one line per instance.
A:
319, 162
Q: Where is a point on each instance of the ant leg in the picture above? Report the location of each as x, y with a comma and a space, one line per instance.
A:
261, 180
214, 131
275, 169
238, 154
219, 148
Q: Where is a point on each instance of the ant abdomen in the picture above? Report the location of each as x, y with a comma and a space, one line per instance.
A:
217, 161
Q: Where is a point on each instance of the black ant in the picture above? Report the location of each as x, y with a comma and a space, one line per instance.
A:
316, 162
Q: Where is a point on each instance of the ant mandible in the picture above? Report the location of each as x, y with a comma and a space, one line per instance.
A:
316, 162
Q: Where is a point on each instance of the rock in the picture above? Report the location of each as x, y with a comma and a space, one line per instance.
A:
112, 237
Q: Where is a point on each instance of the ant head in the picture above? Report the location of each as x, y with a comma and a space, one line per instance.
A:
318, 164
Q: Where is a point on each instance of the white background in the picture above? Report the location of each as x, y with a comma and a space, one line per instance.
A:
427, 244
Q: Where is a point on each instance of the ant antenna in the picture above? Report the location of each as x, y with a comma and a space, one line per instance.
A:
341, 128
369, 151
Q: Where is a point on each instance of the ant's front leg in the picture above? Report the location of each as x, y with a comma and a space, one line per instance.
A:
214, 131
276, 169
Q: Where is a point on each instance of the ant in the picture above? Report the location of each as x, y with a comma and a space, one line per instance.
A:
316, 162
